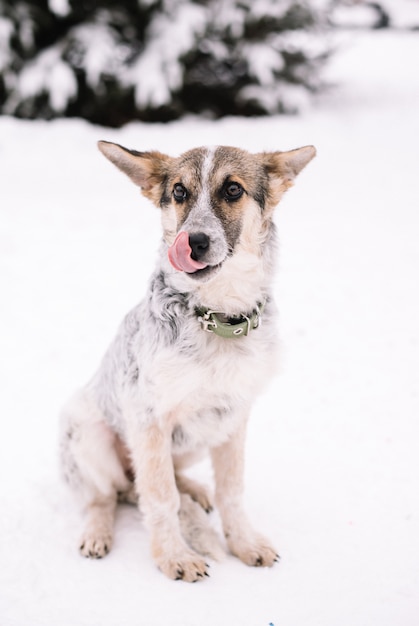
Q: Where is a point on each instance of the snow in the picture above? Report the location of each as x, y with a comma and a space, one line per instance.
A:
264, 61
364, 14
59, 7
158, 71
101, 50
48, 73
332, 455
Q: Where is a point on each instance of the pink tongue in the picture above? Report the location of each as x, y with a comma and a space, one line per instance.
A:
180, 255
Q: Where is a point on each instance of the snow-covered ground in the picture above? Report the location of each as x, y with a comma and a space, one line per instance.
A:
332, 455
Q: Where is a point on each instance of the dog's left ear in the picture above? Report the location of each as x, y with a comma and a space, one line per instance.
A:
283, 167
145, 169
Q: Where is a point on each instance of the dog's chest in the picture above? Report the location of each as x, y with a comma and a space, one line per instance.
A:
206, 390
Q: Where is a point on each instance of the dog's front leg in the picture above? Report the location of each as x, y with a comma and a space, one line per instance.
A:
159, 502
243, 541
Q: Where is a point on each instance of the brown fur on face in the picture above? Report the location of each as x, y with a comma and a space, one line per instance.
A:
264, 177
146, 169
282, 168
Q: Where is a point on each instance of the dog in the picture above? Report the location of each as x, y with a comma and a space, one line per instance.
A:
180, 377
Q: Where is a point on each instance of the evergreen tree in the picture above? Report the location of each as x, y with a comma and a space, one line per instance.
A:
112, 62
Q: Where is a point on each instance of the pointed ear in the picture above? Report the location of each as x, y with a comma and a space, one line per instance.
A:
145, 169
283, 167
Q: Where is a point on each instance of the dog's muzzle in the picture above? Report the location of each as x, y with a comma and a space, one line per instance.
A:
186, 250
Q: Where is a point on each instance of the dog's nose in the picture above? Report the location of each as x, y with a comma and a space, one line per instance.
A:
199, 243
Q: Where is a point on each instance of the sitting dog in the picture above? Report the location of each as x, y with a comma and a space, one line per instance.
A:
181, 375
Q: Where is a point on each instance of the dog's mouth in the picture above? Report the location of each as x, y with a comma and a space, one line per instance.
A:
206, 273
184, 259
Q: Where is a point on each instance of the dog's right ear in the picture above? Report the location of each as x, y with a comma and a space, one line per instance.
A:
145, 169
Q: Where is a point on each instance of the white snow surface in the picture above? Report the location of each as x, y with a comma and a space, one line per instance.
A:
332, 452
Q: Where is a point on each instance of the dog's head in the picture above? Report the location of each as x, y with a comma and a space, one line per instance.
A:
212, 199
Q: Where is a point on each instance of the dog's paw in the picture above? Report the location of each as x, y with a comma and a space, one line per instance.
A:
197, 531
95, 546
255, 551
188, 566
198, 492
203, 498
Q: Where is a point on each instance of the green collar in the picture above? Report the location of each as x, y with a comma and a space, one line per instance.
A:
234, 326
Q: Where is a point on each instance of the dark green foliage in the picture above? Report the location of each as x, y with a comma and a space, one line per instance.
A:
112, 62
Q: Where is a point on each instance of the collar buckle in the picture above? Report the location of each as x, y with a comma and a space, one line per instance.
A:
207, 323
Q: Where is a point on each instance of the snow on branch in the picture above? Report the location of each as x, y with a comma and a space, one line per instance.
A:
116, 62
47, 74
158, 71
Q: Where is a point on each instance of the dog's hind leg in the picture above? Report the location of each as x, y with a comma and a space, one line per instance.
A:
97, 538
198, 492
93, 469
197, 530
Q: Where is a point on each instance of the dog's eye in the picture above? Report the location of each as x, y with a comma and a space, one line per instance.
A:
233, 191
179, 193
